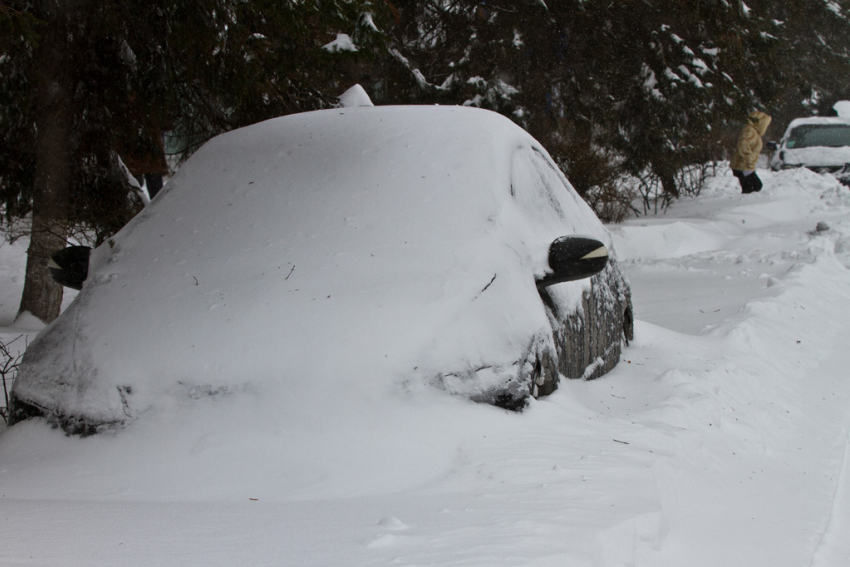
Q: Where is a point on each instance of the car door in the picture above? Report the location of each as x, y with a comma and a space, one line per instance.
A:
591, 319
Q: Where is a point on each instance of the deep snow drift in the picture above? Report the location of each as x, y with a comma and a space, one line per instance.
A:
720, 439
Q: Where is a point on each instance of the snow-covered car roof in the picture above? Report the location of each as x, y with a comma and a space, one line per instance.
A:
817, 120
317, 255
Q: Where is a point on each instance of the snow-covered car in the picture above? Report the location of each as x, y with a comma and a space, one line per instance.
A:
818, 143
334, 252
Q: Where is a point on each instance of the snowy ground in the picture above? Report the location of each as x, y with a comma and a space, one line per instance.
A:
720, 440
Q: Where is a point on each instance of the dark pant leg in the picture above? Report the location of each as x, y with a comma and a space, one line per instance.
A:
749, 183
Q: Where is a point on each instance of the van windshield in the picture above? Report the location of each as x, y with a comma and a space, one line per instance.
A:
811, 135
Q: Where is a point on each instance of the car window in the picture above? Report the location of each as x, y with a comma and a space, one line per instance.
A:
823, 135
545, 195
534, 185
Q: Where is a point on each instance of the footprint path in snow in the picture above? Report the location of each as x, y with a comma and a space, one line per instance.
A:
757, 285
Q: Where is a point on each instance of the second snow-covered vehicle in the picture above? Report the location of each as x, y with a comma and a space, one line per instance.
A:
328, 254
818, 143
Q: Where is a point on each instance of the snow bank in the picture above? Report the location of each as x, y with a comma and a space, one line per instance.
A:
710, 444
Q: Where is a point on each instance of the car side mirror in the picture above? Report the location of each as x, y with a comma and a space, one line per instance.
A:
70, 266
574, 258
773, 146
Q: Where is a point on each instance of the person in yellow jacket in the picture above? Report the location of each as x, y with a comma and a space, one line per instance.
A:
746, 155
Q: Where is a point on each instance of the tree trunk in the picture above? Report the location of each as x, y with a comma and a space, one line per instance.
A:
666, 173
52, 96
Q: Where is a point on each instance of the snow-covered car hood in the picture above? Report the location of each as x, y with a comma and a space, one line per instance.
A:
817, 157
321, 254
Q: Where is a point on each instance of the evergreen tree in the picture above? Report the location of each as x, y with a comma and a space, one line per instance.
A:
86, 83
654, 83
812, 56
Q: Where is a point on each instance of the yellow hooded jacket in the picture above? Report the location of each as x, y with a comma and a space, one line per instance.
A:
749, 142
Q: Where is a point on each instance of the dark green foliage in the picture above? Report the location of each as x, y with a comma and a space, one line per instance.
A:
812, 68
222, 64
139, 69
635, 85
17, 35
86, 85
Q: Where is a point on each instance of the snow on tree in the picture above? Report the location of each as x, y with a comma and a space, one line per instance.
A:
654, 83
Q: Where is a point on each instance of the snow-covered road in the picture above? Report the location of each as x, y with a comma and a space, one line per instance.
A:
720, 439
